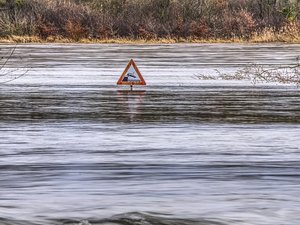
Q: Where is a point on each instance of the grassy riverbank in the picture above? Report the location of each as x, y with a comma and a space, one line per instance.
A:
149, 21
288, 34
267, 37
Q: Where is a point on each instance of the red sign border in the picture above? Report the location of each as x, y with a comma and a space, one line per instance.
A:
141, 82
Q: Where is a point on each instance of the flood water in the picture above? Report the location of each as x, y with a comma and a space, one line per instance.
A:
77, 149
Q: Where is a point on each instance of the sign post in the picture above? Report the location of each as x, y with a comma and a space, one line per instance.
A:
131, 76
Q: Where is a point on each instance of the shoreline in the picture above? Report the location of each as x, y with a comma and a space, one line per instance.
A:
61, 40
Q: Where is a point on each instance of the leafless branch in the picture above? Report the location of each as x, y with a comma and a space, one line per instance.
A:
10, 74
289, 74
8, 57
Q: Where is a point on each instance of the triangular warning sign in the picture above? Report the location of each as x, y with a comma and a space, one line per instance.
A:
131, 75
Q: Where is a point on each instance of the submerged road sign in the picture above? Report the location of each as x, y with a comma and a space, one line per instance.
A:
131, 75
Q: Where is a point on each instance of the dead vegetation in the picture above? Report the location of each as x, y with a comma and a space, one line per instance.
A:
150, 20
8, 72
260, 74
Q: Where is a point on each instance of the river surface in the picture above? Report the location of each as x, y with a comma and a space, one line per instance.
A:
77, 149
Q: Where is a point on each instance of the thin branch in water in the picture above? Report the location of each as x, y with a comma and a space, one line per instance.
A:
289, 74
8, 57
10, 74
15, 78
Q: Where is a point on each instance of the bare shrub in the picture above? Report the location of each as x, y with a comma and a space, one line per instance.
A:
45, 28
199, 30
151, 19
245, 23
260, 74
15, 20
143, 33
75, 30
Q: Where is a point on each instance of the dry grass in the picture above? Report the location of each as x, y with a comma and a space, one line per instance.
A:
266, 37
290, 33
59, 39
21, 39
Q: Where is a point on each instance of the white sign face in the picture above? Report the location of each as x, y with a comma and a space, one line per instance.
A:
131, 75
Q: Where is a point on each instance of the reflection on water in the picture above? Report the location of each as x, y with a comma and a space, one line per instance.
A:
197, 104
75, 149
132, 101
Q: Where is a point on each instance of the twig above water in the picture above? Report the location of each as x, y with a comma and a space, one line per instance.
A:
10, 74
289, 74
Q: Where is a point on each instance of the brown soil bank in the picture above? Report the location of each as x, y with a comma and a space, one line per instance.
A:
149, 21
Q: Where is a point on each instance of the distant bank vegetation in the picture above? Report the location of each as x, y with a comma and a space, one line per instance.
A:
152, 20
